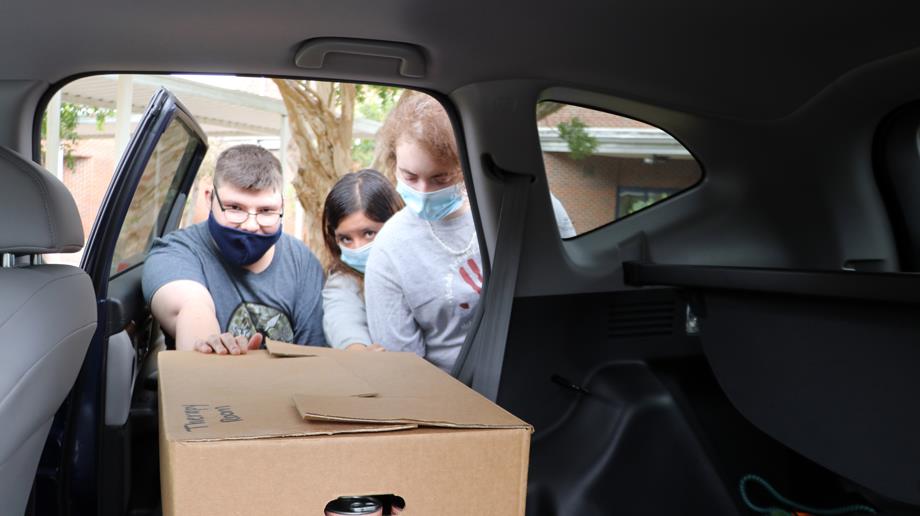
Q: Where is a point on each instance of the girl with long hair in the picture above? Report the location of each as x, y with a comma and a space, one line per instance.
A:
424, 274
355, 210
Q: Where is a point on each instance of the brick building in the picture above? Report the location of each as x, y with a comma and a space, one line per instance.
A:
633, 165
93, 165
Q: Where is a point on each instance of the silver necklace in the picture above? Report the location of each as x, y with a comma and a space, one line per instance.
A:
446, 247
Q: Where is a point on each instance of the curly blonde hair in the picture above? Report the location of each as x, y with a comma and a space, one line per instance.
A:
421, 119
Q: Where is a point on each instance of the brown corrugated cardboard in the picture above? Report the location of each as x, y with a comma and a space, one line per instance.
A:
233, 440
283, 349
249, 396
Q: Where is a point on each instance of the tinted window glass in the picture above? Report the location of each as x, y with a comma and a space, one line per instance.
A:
155, 193
602, 167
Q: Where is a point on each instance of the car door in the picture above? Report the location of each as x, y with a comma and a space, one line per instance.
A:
87, 463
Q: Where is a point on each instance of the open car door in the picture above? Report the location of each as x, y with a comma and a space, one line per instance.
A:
109, 421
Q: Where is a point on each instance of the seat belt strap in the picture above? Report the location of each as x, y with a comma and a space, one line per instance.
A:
481, 362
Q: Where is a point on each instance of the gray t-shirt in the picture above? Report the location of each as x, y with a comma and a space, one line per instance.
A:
563, 221
344, 315
284, 299
422, 284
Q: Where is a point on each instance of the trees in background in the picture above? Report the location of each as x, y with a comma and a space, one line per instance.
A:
70, 116
321, 118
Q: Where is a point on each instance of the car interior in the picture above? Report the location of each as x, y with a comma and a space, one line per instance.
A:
37, 377
746, 343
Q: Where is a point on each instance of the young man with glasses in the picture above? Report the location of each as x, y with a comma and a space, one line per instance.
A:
224, 285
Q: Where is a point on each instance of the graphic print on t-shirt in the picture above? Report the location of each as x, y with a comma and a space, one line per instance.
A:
463, 282
474, 280
273, 322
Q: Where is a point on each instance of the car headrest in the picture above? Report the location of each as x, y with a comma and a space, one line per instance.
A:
38, 214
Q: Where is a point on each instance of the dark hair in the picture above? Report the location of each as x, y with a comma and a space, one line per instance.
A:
362, 191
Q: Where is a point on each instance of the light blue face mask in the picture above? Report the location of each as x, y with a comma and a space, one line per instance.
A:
431, 205
356, 258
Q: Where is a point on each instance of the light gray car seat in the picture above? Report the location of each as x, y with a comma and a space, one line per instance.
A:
47, 318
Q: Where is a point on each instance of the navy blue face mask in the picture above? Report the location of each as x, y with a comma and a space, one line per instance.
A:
240, 247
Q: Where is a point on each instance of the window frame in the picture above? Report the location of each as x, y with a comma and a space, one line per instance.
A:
552, 94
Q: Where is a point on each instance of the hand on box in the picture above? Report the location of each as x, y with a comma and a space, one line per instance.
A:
228, 344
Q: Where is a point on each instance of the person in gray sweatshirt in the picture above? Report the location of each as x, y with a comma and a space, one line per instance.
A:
355, 210
424, 273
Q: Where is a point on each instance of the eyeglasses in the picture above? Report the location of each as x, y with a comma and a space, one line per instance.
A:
237, 216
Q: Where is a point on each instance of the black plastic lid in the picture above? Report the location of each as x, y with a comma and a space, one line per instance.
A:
353, 505
398, 502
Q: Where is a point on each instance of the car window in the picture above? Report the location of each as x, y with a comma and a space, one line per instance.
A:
154, 196
602, 167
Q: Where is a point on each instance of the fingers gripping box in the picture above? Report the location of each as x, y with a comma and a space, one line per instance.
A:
261, 434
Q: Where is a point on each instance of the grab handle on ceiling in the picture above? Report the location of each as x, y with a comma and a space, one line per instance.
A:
312, 54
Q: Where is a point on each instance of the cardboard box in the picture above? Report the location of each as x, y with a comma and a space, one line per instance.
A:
260, 434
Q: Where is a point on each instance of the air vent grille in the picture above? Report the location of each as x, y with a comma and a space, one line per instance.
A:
641, 319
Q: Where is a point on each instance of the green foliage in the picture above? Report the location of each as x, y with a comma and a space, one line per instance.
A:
70, 118
374, 102
362, 152
632, 203
638, 205
101, 115
581, 144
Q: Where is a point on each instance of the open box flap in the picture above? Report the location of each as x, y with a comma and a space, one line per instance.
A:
408, 389
284, 350
208, 397
419, 410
